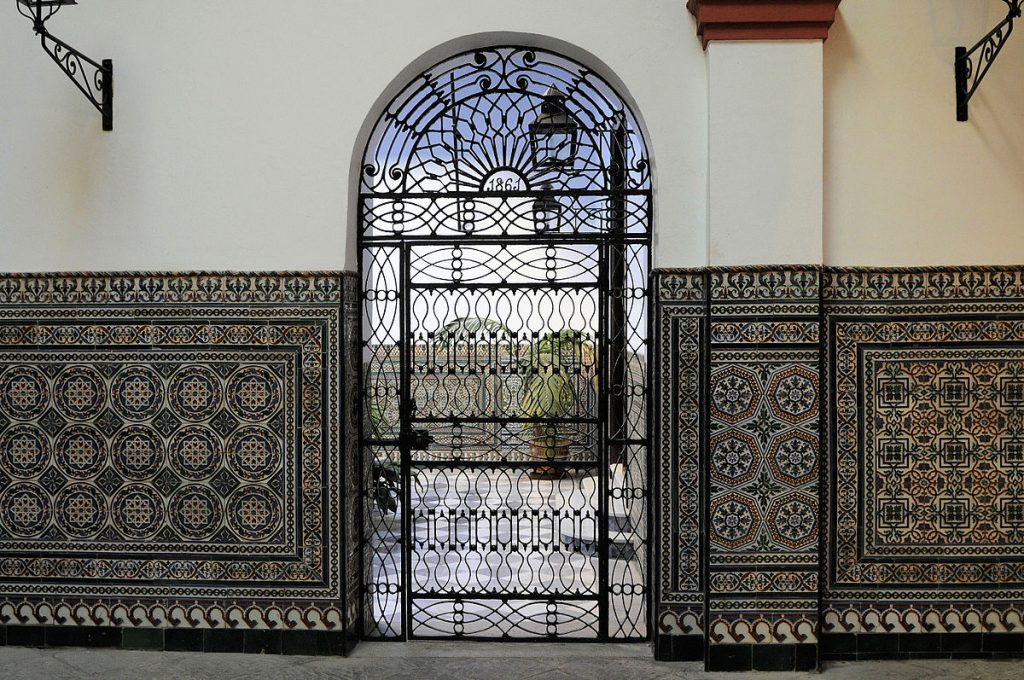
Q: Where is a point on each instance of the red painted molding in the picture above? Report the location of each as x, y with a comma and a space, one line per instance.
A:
763, 19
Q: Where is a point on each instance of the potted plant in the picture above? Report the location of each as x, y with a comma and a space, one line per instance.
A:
558, 364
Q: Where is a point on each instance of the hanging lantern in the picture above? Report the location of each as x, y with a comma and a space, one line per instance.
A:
548, 213
554, 134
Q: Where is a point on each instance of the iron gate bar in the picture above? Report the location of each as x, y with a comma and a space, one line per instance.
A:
640, 193
506, 597
612, 168
500, 286
635, 238
405, 413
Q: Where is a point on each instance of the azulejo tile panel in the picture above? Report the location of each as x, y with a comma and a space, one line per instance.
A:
680, 385
923, 370
901, 391
763, 455
172, 450
943, 453
764, 452
166, 448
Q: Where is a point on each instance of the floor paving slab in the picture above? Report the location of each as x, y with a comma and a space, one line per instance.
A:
449, 661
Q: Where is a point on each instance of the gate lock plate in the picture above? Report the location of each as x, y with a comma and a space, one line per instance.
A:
415, 440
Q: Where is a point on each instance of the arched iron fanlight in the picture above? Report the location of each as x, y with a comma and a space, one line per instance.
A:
969, 73
530, 114
538, 129
94, 79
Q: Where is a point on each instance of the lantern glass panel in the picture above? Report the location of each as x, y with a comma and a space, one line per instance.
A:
556, 147
554, 134
547, 214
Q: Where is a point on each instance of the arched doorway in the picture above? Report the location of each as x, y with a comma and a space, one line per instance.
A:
504, 239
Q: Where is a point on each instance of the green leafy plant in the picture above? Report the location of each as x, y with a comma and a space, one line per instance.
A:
553, 369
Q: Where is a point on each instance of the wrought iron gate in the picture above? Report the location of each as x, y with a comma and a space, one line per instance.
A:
505, 245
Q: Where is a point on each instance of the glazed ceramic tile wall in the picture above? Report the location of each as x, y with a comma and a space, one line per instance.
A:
174, 450
836, 453
925, 519
854, 441
679, 388
763, 457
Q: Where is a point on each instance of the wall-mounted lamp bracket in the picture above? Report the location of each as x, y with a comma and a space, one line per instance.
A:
94, 79
970, 73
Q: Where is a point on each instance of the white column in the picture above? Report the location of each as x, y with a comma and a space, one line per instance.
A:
766, 120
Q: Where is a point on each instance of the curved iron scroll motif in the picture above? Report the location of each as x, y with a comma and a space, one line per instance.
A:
38, 12
505, 313
94, 79
464, 127
972, 65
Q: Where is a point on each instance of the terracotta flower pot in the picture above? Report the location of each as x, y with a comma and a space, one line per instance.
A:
550, 448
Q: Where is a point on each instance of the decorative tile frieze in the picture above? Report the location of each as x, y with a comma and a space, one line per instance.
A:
762, 626
764, 286
929, 284
353, 479
871, 614
171, 450
923, 375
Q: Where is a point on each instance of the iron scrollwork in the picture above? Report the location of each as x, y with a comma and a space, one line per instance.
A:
972, 65
505, 227
94, 79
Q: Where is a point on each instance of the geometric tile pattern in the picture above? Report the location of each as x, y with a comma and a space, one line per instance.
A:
764, 452
763, 456
171, 450
943, 453
680, 384
204, 416
906, 384
194, 447
925, 380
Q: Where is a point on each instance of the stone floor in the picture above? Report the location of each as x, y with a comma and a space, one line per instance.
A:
448, 661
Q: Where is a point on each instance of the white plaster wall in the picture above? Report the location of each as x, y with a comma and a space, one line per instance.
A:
237, 122
765, 178
905, 183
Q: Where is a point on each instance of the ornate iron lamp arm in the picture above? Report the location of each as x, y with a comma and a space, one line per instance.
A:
969, 73
94, 79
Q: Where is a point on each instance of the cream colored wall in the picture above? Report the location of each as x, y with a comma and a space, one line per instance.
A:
765, 151
905, 183
237, 122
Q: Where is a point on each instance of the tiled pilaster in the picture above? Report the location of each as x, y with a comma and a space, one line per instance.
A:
680, 385
763, 454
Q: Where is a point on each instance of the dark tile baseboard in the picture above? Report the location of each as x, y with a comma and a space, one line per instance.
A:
783, 657
873, 646
296, 642
679, 647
